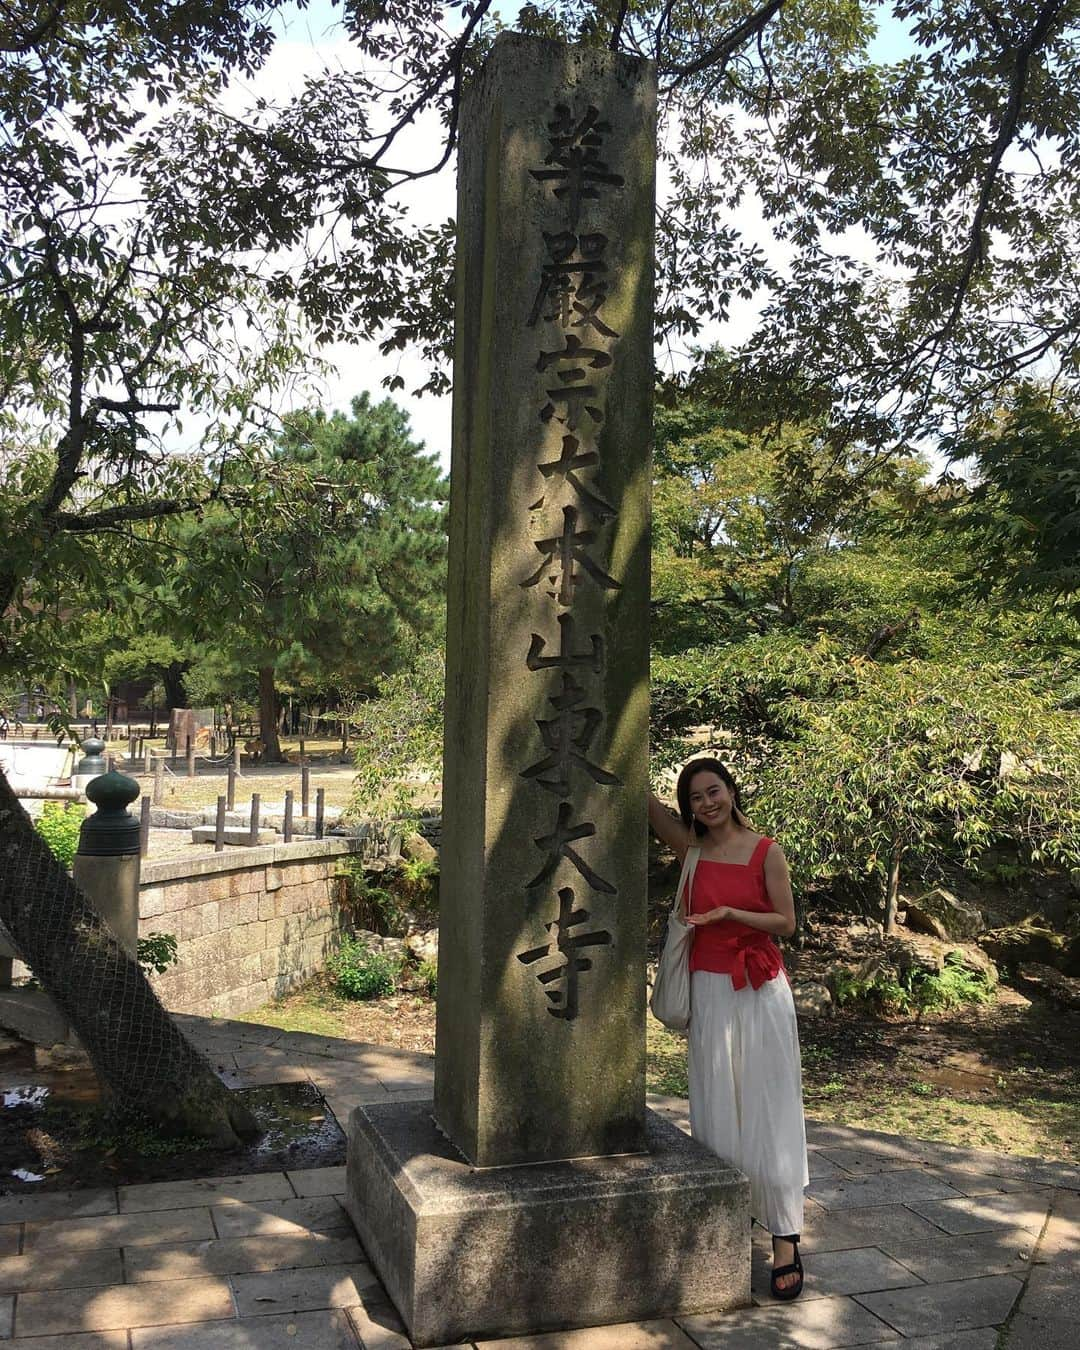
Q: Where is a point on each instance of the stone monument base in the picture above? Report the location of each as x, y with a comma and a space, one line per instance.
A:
466, 1253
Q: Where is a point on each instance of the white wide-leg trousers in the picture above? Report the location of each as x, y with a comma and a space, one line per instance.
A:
746, 1090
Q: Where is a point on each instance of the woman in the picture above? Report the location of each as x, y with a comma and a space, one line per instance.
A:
745, 1071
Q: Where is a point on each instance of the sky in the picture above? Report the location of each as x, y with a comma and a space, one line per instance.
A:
308, 40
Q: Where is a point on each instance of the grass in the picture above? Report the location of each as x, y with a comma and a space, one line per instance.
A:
1033, 1126
316, 1009
1006, 1116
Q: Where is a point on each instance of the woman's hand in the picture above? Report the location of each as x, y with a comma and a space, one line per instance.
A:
711, 916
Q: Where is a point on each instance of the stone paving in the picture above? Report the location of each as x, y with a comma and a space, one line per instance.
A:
907, 1243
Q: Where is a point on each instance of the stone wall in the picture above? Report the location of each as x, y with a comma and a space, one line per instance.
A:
249, 924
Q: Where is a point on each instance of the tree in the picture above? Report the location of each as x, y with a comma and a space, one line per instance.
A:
1020, 516
918, 235
336, 558
918, 764
109, 329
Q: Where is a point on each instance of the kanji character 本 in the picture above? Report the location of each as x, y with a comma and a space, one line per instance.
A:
567, 736
557, 845
578, 168
573, 285
563, 1000
566, 467
561, 552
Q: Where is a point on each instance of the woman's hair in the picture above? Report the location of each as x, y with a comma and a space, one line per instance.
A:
682, 791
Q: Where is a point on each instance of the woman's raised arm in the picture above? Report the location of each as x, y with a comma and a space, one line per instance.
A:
668, 828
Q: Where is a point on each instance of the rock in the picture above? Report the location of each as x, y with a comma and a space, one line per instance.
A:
921, 922
812, 999
416, 846
1070, 957
63, 1055
1060, 989
976, 959
1023, 943
940, 908
389, 946
914, 951
423, 943
919, 952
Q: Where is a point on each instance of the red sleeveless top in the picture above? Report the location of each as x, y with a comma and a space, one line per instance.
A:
730, 947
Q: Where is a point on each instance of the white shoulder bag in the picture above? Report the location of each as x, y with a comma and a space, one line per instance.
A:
670, 1001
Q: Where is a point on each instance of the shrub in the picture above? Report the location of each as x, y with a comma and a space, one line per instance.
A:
369, 906
428, 974
157, 952
358, 972
59, 825
916, 988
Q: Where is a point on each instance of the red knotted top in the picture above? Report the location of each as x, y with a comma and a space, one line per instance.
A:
730, 947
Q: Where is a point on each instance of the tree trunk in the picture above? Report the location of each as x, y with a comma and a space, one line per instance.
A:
892, 890
268, 717
172, 679
147, 1067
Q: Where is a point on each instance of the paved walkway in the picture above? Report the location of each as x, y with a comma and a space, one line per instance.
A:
918, 1245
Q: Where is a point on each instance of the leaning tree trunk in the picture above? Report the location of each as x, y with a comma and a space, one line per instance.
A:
268, 717
145, 1064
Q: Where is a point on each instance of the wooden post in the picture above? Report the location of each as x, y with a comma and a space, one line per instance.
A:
213, 745
131, 749
320, 806
288, 815
159, 779
236, 753
191, 758
305, 787
148, 758
253, 828
144, 827
219, 826
230, 788
301, 747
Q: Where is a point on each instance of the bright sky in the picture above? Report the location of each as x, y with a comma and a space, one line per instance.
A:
310, 39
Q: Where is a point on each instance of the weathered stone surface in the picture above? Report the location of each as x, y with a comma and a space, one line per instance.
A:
205, 834
955, 916
31, 1014
545, 773
578, 1242
812, 999
1060, 989
423, 943
1023, 943
416, 846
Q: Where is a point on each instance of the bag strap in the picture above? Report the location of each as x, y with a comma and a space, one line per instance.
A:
686, 878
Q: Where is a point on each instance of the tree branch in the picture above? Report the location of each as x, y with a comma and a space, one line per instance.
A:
752, 25
975, 251
616, 32
25, 42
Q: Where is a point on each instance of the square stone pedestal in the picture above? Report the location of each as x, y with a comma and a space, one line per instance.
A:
466, 1252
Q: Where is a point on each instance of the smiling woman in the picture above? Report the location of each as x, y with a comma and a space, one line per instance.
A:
745, 1073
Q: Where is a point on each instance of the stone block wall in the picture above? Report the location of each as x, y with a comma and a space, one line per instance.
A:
249, 924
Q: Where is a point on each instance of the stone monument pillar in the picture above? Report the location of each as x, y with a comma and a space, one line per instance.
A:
541, 1049
537, 1153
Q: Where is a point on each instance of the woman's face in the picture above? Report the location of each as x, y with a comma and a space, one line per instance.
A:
710, 798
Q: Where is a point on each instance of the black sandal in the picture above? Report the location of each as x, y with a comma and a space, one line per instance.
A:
795, 1268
